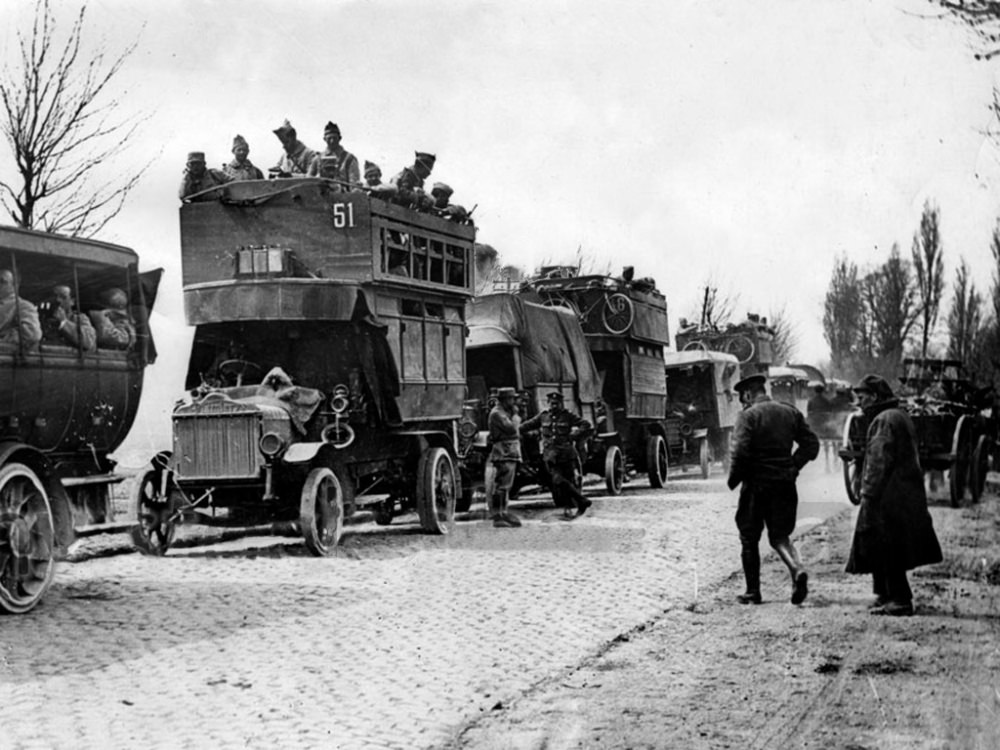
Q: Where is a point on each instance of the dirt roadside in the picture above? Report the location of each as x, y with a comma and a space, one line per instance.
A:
717, 674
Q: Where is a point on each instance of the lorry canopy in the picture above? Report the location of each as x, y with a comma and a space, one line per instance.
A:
553, 347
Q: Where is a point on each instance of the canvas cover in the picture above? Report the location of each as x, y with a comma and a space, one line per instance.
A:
553, 347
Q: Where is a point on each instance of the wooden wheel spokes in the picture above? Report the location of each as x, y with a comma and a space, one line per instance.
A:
444, 490
27, 539
437, 490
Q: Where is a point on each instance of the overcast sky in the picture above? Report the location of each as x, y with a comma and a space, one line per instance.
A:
746, 143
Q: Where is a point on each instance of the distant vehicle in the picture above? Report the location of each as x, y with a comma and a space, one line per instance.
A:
536, 350
64, 409
327, 371
701, 407
750, 342
956, 425
790, 385
624, 321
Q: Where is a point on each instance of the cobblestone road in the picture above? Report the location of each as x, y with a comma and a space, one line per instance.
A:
397, 642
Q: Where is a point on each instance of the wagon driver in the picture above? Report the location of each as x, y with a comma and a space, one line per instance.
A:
505, 455
764, 463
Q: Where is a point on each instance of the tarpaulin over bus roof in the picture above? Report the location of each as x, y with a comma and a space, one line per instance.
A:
553, 347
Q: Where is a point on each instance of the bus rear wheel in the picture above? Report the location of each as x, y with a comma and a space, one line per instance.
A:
27, 539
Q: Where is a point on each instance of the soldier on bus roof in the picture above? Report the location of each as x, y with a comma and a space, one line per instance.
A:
443, 206
335, 163
297, 156
197, 177
373, 175
241, 168
412, 178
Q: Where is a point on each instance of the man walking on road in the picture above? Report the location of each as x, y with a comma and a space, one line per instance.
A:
560, 429
763, 461
894, 532
505, 455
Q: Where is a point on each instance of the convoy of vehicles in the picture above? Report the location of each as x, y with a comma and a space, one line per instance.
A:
328, 366
956, 425
64, 409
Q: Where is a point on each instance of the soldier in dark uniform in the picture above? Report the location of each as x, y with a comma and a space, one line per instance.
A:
763, 461
505, 455
560, 429
443, 207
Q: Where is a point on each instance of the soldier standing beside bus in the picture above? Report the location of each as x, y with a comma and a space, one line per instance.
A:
560, 429
505, 455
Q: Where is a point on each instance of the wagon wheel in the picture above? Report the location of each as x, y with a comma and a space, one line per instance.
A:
657, 464
437, 490
614, 470
961, 452
741, 347
152, 509
852, 453
618, 313
321, 511
27, 539
703, 458
980, 465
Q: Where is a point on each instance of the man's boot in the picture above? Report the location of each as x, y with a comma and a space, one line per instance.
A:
750, 556
800, 578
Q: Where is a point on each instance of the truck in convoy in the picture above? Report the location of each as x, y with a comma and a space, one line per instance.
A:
624, 322
327, 370
65, 406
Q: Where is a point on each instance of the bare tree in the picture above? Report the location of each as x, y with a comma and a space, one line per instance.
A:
844, 317
890, 298
982, 17
965, 316
716, 311
62, 125
929, 268
786, 335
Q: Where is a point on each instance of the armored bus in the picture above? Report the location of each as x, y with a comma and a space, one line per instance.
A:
64, 407
327, 370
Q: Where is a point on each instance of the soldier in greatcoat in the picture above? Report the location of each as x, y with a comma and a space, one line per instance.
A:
297, 156
894, 532
560, 430
505, 455
763, 461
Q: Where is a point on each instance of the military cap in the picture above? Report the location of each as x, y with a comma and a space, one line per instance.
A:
750, 381
506, 392
876, 385
196, 156
554, 396
239, 141
440, 187
372, 168
426, 159
331, 129
285, 129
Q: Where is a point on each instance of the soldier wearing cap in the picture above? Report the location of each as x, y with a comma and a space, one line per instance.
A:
560, 430
336, 163
764, 463
409, 183
198, 178
373, 174
241, 168
505, 455
894, 532
297, 156
443, 207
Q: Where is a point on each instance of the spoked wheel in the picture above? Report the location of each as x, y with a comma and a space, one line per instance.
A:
614, 470
437, 490
153, 510
321, 511
852, 453
703, 458
617, 314
27, 539
980, 465
741, 347
961, 451
657, 465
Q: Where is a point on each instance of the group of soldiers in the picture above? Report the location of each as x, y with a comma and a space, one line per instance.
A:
335, 164
58, 321
559, 430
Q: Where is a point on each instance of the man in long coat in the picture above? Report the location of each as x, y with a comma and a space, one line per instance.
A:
894, 531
